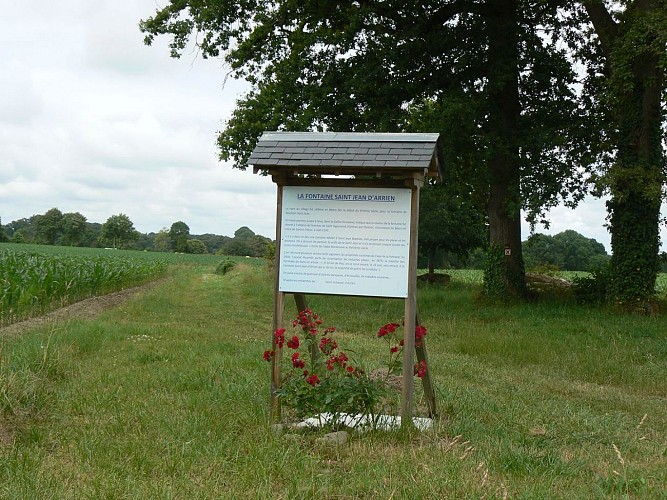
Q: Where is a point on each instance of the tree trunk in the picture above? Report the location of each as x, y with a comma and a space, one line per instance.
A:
635, 86
431, 261
634, 209
504, 276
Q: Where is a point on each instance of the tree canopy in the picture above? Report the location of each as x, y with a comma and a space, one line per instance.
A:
178, 236
119, 230
568, 251
353, 66
448, 223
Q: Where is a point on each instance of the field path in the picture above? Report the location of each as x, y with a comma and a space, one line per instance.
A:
87, 308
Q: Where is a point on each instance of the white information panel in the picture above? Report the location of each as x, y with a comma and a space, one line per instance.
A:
345, 241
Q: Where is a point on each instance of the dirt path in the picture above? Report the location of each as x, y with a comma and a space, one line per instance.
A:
88, 308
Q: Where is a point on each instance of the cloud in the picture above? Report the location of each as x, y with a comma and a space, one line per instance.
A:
92, 120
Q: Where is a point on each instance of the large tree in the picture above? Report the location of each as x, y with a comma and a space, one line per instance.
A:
624, 48
368, 65
49, 226
73, 228
119, 231
178, 236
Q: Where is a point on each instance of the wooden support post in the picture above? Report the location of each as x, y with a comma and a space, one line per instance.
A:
277, 357
410, 315
427, 383
278, 310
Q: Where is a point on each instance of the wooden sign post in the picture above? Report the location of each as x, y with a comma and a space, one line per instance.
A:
346, 224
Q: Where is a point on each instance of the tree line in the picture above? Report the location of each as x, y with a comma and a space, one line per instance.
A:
73, 229
538, 102
450, 239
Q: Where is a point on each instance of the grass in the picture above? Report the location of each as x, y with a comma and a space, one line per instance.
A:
166, 396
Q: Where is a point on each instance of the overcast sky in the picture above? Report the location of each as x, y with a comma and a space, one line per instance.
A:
94, 121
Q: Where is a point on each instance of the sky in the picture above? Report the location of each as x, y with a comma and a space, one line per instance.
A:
93, 121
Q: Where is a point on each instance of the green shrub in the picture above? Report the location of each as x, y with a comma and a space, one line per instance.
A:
225, 266
592, 289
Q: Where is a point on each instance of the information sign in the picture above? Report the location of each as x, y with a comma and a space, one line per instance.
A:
345, 241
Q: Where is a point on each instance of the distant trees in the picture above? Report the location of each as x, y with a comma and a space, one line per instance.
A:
162, 242
449, 223
73, 228
119, 231
3, 234
246, 242
195, 246
569, 251
178, 236
49, 226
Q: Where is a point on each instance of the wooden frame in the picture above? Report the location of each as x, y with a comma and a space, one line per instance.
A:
301, 172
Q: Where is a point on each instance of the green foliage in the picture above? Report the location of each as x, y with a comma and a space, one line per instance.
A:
178, 235
3, 234
73, 228
270, 255
49, 226
499, 92
635, 261
623, 97
119, 231
319, 377
33, 283
502, 281
245, 243
594, 288
195, 246
448, 222
224, 266
568, 250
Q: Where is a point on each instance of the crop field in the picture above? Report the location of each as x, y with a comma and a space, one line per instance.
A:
32, 283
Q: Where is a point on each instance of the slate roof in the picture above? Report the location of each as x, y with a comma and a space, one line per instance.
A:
345, 152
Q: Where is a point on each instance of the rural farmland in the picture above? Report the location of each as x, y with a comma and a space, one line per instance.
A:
166, 395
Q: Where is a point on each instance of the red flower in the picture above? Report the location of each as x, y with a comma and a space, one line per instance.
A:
327, 345
420, 332
280, 337
313, 380
331, 329
268, 355
387, 329
297, 362
391, 327
293, 343
350, 369
394, 349
420, 369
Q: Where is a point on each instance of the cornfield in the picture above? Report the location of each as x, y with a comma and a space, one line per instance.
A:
33, 283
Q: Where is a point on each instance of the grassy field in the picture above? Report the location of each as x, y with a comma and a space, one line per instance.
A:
166, 396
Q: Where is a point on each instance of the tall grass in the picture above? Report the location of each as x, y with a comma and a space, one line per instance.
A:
167, 397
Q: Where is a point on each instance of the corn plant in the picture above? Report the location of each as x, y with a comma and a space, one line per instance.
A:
32, 283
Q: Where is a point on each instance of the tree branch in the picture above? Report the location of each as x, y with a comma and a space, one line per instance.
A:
605, 26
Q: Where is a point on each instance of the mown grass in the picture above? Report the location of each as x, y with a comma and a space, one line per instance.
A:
167, 397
